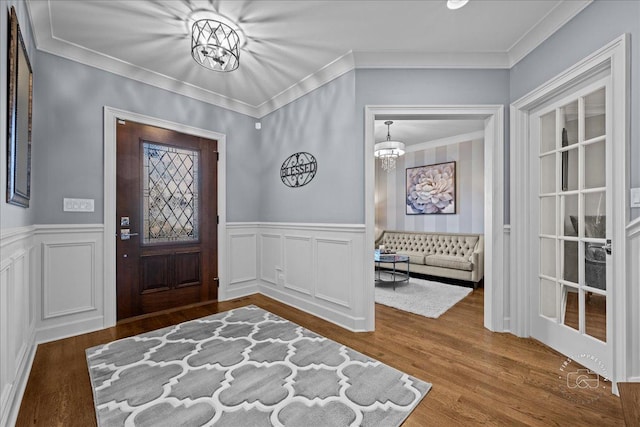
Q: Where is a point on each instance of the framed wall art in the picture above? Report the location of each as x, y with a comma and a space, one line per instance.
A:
431, 189
20, 99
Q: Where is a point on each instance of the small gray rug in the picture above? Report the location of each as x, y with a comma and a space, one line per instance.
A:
423, 297
245, 367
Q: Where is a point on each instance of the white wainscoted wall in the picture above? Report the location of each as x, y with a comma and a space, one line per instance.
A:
318, 268
633, 298
51, 286
390, 192
69, 261
17, 318
506, 271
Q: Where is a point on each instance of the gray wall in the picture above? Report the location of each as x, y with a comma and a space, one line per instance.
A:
10, 215
434, 87
68, 127
597, 25
391, 206
323, 123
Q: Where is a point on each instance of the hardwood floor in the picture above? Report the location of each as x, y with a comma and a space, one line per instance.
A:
478, 377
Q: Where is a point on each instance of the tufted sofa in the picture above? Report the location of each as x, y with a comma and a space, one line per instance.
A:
452, 255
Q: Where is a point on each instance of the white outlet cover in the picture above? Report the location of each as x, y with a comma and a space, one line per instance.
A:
78, 205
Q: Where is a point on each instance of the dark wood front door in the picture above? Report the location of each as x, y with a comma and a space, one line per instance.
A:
166, 219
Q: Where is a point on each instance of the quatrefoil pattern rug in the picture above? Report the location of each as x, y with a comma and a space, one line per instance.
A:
245, 367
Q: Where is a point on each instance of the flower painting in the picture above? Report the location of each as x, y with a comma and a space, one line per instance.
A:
431, 189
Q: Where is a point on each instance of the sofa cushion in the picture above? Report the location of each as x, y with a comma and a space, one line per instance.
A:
414, 257
447, 261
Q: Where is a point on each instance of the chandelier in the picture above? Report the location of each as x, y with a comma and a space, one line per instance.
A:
215, 45
388, 151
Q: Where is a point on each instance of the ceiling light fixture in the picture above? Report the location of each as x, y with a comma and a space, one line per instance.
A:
388, 151
456, 4
215, 45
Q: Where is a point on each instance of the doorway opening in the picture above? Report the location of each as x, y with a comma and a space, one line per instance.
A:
491, 117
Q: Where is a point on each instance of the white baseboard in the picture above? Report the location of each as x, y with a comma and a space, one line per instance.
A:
20, 384
355, 324
238, 291
69, 329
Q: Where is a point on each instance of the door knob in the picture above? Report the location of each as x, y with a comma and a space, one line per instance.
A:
607, 247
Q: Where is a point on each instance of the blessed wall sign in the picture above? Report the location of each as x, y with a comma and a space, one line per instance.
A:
298, 169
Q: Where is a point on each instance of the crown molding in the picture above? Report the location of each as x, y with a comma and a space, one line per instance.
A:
46, 41
394, 59
333, 70
547, 26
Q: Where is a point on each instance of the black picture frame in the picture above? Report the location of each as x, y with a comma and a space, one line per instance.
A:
20, 117
443, 203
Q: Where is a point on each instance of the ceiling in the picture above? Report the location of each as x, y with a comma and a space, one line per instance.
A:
421, 131
292, 47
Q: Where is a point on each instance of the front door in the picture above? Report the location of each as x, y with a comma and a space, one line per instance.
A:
166, 219
571, 298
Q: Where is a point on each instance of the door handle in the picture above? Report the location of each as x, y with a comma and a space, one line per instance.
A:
607, 247
126, 235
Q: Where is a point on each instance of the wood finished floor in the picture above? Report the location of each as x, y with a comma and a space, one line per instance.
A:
478, 377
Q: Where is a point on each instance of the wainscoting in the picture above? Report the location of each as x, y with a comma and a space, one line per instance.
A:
70, 272
17, 318
633, 299
318, 268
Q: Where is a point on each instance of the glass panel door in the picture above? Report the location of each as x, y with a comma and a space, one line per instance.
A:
571, 145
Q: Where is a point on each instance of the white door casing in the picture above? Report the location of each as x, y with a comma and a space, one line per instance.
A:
494, 316
111, 116
609, 61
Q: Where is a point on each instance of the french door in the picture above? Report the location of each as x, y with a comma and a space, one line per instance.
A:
166, 210
571, 151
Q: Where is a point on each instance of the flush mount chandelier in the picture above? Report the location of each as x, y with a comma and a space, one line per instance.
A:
388, 151
215, 45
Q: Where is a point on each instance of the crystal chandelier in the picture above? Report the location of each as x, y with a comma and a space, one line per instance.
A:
388, 151
215, 45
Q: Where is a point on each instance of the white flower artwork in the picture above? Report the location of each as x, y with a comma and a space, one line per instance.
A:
431, 189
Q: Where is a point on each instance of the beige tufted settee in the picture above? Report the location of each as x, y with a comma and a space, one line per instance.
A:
452, 255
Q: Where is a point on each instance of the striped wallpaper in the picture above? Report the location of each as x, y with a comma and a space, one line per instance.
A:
469, 216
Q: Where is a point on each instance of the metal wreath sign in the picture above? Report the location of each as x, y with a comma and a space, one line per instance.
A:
298, 169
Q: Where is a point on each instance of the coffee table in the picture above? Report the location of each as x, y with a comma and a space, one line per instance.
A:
391, 276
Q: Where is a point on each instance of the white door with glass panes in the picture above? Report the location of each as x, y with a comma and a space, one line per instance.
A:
572, 287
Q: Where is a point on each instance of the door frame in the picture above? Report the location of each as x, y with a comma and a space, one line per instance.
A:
494, 315
111, 116
614, 56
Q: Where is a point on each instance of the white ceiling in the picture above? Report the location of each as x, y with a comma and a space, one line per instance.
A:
292, 46
420, 131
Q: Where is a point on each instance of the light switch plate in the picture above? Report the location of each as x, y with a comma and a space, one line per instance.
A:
635, 198
78, 205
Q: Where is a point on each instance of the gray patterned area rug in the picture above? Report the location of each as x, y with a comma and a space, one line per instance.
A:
245, 367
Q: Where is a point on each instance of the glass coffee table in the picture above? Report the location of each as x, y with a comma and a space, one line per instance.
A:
393, 276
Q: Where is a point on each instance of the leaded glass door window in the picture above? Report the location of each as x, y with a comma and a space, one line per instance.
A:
170, 194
